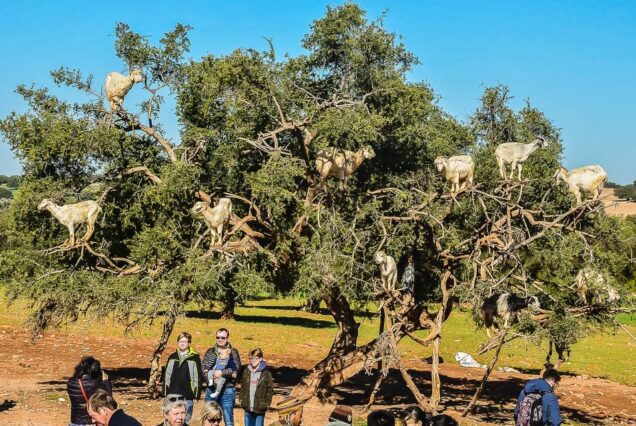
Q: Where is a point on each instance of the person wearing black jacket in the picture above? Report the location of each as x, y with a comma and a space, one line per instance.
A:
227, 397
103, 410
184, 375
87, 379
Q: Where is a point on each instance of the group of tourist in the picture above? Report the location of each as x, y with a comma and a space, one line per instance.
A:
92, 403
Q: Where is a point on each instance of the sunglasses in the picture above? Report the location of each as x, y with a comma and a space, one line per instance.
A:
176, 398
221, 337
217, 421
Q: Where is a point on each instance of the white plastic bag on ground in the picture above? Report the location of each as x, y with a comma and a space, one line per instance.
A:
467, 360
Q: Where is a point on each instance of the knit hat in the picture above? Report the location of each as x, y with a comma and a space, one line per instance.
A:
341, 413
290, 404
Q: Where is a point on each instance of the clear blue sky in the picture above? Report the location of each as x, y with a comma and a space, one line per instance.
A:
575, 60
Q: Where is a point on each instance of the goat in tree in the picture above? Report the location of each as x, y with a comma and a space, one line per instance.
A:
118, 85
588, 179
457, 170
73, 215
516, 154
341, 163
562, 350
216, 218
388, 270
593, 287
505, 306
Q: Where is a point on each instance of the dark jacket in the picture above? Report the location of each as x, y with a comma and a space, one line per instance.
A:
79, 415
119, 418
183, 377
210, 359
264, 389
549, 404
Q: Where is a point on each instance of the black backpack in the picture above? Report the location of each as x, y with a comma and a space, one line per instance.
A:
530, 413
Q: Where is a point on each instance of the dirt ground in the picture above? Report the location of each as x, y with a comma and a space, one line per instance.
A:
615, 206
33, 390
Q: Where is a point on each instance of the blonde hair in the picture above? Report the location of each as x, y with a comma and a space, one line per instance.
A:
211, 411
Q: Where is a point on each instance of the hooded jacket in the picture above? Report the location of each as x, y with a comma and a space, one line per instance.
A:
183, 376
79, 415
549, 404
264, 388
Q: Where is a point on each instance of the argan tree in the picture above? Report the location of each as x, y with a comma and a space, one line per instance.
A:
251, 125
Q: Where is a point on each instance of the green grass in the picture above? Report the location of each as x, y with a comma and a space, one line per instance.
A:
278, 327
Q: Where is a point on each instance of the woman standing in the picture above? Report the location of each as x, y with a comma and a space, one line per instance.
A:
88, 378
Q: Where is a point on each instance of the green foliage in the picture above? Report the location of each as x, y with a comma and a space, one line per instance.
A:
252, 125
627, 192
5, 193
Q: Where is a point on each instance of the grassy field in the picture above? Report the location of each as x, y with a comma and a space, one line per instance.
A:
278, 327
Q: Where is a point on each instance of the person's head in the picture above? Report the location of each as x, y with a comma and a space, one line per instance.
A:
224, 353
100, 407
413, 416
222, 336
381, 418
174, 410
88, 366
290, 411
184, 340
256, 356
211, 414
552, 377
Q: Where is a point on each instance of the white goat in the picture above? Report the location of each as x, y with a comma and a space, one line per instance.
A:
216, 218
516, 154
72, 215
589, 179
594, 287
341, 163
456, 170
388, 270
117, 86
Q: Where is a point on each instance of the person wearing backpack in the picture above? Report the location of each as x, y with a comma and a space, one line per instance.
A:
537, 404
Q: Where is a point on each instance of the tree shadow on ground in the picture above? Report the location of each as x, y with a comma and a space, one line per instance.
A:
264, 319
321, 311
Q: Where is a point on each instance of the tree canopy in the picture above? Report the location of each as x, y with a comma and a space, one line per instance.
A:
251, 126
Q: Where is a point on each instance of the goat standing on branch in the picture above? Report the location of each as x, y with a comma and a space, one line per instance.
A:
588, 179
118, 85
341, 163
216, 218
72, 215
457, 170
516, 154
594, 288
505, 306
388, 270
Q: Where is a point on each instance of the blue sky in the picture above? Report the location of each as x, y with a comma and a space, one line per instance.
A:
575, 60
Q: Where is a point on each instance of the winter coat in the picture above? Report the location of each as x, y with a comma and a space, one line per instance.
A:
210, 359
183, 377
79, 415
264, 389
549, 404
119, 418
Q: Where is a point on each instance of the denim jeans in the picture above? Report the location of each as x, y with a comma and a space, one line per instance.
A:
254, 419
226, 401
189, 409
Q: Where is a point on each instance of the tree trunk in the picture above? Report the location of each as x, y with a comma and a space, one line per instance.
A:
155, 361
347, 335
229, 306
312, 305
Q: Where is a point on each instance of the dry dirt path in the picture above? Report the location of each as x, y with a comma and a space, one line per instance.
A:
33, 375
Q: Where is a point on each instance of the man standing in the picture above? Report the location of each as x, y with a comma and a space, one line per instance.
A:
184, 375
538, 403
228, 395
102, 409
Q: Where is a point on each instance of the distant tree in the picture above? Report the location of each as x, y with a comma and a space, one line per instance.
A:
3, 179
627, 192
13, 181
612, 185
5, 193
